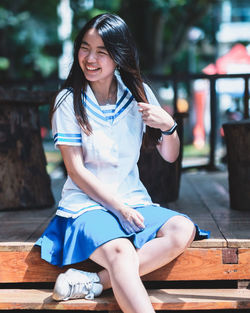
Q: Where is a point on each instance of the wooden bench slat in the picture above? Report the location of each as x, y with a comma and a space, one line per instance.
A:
205, 243
193, 264
162, 299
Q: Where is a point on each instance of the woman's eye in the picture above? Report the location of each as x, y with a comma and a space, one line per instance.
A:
102, 52
84, 48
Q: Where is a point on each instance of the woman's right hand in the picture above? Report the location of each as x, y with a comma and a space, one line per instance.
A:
131, 220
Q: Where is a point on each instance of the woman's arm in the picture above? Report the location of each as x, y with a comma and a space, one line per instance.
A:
130, 219
169, 146
156, 117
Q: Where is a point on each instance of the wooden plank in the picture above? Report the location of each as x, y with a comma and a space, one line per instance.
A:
236, 229
204, 264
233, 224
39, 230
28, 224
19, 225
208, 243
26, 215
16, 246
18, 231
205, 243
193, 264
238, 243
162, 299
191, 203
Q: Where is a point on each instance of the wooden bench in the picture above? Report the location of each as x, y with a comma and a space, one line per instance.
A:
215, 267
207, 260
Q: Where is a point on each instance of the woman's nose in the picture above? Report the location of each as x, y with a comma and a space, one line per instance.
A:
91, 57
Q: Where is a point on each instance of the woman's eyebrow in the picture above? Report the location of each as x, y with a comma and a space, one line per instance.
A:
84, 42
102, 47
99, 47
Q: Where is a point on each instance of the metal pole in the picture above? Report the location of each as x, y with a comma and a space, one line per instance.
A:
214, 122
175, 87
246, 98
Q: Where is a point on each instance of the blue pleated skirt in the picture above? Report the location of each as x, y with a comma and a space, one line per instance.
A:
71, 240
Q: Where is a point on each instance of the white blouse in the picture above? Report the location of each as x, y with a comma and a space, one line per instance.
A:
111, 152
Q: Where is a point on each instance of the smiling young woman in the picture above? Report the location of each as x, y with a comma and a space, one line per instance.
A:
96, 63
99, 119
98, 67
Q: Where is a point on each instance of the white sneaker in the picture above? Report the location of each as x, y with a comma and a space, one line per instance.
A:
75, 284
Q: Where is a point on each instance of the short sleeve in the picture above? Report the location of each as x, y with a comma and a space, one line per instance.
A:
65, 127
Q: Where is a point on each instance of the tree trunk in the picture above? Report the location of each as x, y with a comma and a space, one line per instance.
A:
237, 135
162, 179
24, 182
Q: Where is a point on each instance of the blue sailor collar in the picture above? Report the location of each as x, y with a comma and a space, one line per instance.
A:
94, 111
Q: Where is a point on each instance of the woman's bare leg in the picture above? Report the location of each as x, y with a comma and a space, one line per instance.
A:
121, 262
172, 239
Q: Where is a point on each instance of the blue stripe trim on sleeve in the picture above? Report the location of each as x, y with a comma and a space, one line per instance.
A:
66, 135
66, 140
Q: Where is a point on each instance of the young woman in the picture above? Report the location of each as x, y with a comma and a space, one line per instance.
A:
99, 118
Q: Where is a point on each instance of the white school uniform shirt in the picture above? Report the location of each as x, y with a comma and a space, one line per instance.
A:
111, 152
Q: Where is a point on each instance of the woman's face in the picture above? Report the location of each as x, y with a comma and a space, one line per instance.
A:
94, 59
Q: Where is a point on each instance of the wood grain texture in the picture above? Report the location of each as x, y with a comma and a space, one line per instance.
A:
232, 224
191, 203
238, 243
23, 176
193, 264
17, 246
162, 299
237, 138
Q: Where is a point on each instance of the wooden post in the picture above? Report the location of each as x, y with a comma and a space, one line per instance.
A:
237, 136
24, 182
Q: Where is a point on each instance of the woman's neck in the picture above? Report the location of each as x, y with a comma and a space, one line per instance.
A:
105, 92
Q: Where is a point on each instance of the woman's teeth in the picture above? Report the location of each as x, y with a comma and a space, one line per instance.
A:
92, 68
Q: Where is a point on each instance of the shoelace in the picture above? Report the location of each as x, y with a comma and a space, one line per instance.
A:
78, 289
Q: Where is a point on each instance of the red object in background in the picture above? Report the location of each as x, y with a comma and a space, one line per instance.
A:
43, 132
199, 129
237, 60
238, 55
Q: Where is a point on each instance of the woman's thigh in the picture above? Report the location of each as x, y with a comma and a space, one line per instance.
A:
113, 251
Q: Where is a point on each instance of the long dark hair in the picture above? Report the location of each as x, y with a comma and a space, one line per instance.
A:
120, 45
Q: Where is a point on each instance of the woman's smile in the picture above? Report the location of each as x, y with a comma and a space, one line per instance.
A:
92, 68
94, 59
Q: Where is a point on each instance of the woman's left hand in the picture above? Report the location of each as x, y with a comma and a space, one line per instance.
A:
155, 116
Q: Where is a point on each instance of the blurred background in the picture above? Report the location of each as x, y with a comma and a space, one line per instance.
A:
182, 44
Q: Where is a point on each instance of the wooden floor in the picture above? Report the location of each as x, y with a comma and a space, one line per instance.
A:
225, 256
203, 196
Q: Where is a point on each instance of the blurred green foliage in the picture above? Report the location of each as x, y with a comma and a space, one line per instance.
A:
29, 41
30, 47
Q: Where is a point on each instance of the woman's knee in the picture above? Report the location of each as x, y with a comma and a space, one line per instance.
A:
118, 252
180, 229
